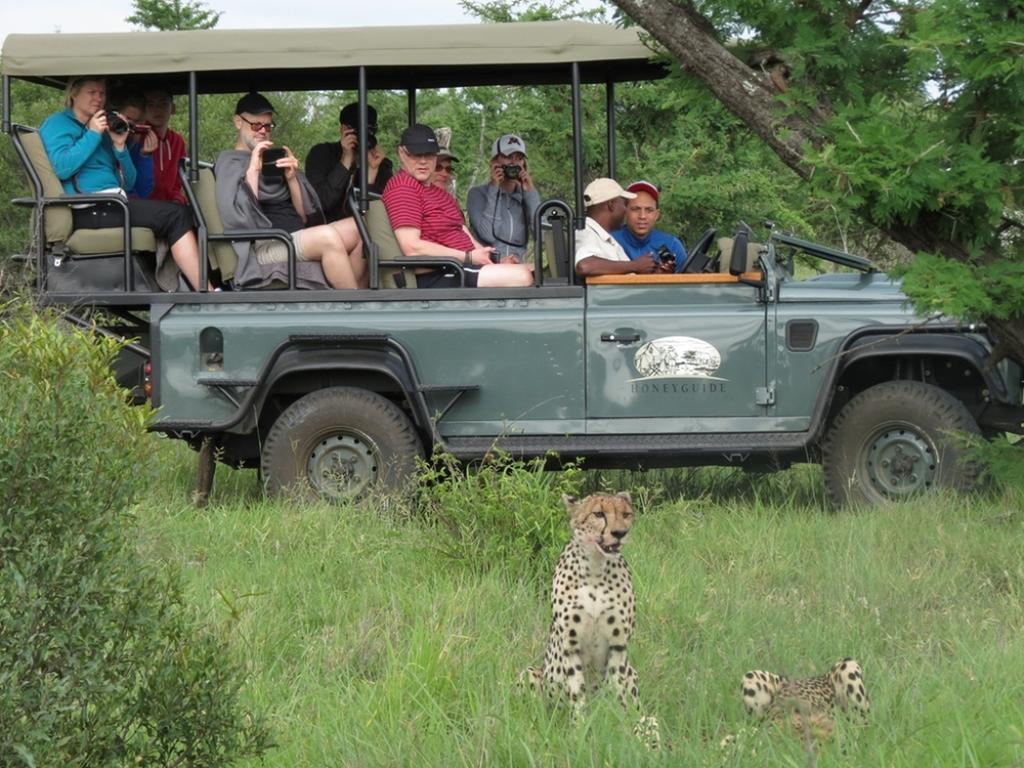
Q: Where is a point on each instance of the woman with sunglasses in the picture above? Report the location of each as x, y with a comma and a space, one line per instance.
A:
88, 149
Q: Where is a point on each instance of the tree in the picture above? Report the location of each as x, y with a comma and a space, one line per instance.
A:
172, 14
906, 113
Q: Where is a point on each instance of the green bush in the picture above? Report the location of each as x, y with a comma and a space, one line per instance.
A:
503, 513
101, 662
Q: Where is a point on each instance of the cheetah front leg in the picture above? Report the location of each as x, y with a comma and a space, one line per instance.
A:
624, 678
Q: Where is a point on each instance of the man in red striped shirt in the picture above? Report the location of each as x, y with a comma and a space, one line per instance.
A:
428, 222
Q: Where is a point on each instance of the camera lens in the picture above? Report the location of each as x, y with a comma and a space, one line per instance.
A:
116, 123
511, 171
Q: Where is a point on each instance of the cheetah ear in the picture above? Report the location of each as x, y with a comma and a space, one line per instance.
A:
570, 503
625, 495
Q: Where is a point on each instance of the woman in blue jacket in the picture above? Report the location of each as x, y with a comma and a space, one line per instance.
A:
88, 156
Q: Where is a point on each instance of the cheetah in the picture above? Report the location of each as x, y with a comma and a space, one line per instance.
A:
593, 610
807, 704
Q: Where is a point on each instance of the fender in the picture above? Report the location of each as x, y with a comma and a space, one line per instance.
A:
379, 353
902, 341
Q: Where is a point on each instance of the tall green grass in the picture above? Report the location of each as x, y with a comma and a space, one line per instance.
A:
367, 645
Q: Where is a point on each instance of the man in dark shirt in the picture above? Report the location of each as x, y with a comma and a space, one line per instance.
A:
333, 169
256, 190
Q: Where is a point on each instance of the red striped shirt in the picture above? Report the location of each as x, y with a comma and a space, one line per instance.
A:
430, 209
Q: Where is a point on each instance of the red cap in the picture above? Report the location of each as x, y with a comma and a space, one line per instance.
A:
644, 186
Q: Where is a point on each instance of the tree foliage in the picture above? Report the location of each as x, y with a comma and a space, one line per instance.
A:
908, 114
103, 663
172, 14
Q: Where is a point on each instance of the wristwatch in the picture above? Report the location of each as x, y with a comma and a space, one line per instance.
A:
467, 261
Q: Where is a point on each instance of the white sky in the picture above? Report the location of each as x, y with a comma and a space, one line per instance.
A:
41, 16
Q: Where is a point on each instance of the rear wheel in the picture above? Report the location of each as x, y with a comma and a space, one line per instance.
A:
340, 443
896, 440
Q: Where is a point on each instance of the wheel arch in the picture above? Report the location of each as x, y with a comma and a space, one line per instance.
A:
951, 361
380, 365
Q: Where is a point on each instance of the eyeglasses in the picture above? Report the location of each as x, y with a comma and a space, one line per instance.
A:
258, 126
446, 168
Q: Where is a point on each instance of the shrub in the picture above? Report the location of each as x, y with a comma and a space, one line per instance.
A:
100, 661
502, 513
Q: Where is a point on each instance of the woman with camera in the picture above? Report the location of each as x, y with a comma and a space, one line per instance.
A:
501, 212
88, 149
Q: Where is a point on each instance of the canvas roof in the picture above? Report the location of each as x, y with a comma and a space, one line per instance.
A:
303, 59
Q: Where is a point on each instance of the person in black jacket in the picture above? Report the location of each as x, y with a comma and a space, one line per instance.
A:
332, 167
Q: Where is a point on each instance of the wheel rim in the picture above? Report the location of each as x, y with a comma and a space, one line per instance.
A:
343, 465
899, 461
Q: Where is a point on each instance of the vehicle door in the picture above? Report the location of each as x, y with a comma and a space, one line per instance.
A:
689, 355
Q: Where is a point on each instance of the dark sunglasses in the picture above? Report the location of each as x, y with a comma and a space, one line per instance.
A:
258, 126
447, 168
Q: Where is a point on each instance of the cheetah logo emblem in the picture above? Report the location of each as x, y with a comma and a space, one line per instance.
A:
677, 357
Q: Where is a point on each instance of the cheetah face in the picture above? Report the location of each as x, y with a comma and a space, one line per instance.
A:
601, 521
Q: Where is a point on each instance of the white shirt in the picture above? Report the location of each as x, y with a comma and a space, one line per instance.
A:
593, 240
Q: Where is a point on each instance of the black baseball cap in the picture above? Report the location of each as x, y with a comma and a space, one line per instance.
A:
253, 103
419, 140
349, 115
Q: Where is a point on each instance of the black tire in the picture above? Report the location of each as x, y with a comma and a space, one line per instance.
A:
896, 440
341, 444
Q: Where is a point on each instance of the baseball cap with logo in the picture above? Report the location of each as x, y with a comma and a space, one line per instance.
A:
419, 139
506, 144
602, 190
253, 103
644, 186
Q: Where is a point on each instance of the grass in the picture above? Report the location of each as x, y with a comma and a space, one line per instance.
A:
367, 646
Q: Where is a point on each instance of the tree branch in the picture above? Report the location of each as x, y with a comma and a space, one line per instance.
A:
689, 37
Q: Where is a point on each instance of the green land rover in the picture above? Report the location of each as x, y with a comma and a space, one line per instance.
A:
735, 361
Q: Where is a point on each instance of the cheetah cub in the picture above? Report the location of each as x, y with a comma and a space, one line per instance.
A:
593, 610
808, 703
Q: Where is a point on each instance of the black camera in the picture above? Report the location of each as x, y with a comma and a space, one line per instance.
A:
665, 256
511, 171
371, 140
116, 123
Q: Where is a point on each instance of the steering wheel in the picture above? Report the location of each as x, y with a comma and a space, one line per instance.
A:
698, 257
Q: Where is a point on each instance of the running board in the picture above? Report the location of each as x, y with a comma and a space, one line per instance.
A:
736, 448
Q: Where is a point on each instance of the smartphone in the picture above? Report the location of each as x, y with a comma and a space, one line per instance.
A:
270, 157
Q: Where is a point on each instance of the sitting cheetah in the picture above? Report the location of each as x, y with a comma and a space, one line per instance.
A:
808, 703
593, 609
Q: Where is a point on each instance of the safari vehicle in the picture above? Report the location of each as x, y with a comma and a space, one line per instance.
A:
734, 362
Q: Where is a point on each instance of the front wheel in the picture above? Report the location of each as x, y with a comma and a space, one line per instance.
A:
340, 443
896, 440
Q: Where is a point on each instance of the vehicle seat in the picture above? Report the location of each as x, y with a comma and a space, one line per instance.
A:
725, 249
99, 252
378, 227
221, 254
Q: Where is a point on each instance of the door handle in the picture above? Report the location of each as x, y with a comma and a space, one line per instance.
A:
622, 336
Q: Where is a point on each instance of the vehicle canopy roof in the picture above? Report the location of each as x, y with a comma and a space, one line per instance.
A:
226, 60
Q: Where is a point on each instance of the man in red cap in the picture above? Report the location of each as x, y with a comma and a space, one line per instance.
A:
638, 237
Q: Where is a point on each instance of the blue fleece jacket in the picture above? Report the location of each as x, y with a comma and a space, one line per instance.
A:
143, 171
636, 247
83, 157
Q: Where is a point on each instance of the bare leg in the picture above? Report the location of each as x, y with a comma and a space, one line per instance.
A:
324, 244
505, 276
354, 245
185, 252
